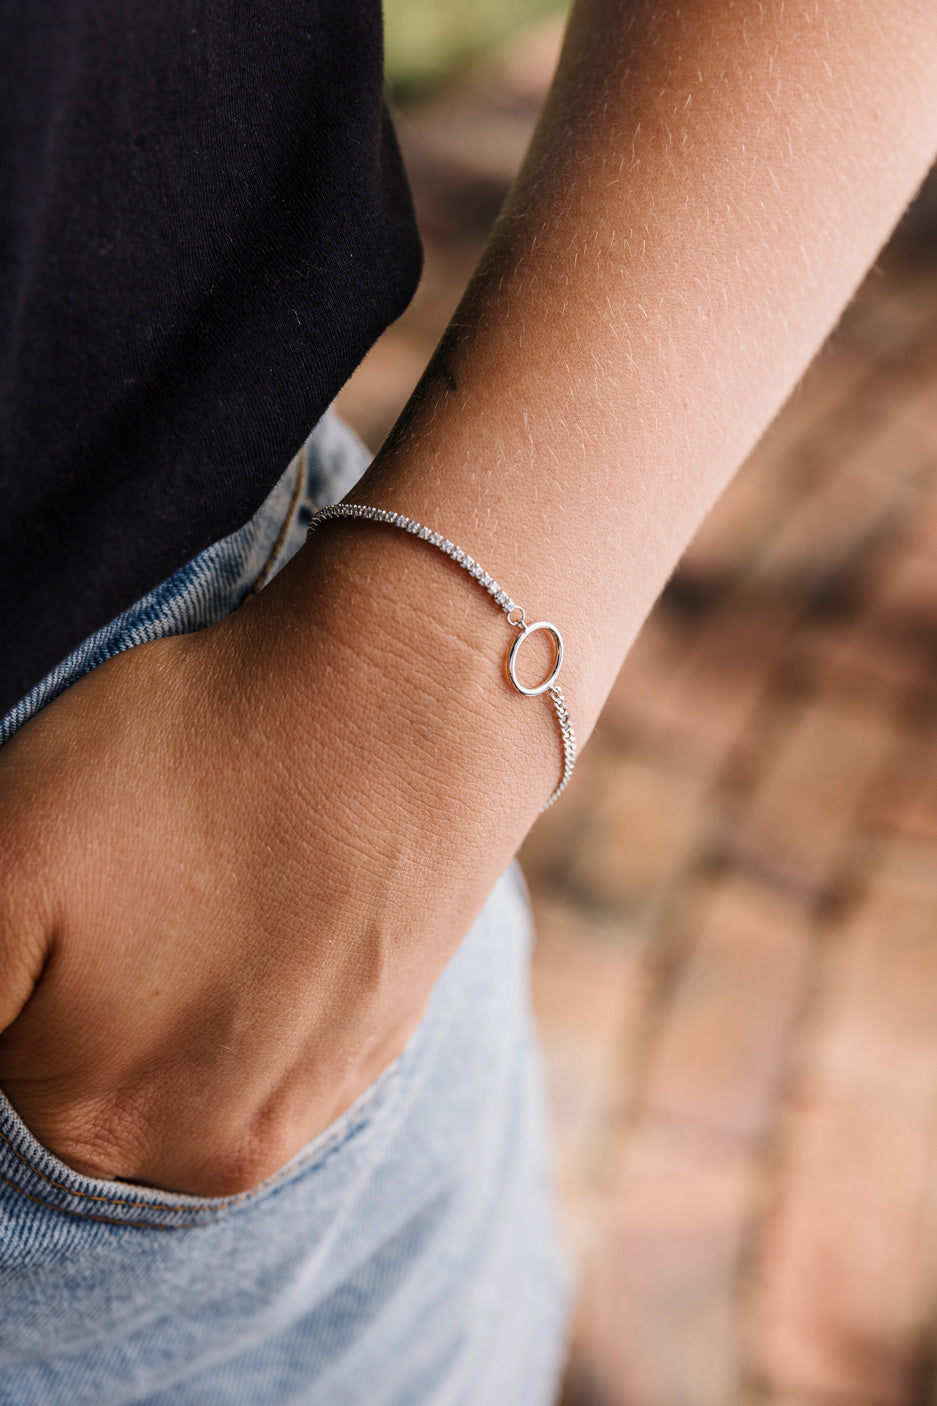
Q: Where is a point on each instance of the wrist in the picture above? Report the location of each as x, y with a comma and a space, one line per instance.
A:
389, 666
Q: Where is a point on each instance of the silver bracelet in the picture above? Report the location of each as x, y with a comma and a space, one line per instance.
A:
514, 612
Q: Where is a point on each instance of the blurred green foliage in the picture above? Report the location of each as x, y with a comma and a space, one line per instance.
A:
428, 40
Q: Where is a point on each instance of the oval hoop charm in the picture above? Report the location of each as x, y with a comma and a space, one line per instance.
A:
512, 658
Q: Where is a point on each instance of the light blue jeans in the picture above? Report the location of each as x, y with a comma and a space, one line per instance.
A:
407, 1257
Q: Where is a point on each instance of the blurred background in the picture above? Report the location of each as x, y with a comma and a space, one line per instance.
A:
736, 975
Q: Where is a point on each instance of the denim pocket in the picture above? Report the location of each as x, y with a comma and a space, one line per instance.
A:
98, 1310
407, 1255
30, 1169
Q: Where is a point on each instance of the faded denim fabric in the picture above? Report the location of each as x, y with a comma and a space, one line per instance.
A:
407, 1257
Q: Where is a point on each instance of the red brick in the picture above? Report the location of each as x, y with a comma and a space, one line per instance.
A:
831, 523
706, 705
880, 1039
864, 663
810, 1398
905, 801
804, 804
838, 1304
921, 525
912, 398
550, 852
646, 676
905, 591
888, 316
646, 824
590, 989
846, 1268
659, 1315
906, 402
725, 1039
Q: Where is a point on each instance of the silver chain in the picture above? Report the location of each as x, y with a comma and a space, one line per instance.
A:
515, 614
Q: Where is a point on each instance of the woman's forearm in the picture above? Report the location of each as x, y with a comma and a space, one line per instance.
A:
706, 187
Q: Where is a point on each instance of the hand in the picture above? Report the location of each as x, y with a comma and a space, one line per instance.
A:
205, 955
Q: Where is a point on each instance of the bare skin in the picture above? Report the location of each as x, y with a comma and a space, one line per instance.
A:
234, 865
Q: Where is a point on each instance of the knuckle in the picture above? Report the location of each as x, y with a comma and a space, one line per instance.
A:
244, 1160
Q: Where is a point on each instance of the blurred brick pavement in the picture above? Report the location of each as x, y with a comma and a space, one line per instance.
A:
737, 898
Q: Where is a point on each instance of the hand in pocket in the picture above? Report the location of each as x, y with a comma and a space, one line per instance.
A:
201, 963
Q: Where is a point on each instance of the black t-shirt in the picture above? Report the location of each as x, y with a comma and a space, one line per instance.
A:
204, 224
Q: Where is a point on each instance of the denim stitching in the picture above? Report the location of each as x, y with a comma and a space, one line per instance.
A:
86, 1215
221, 1203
